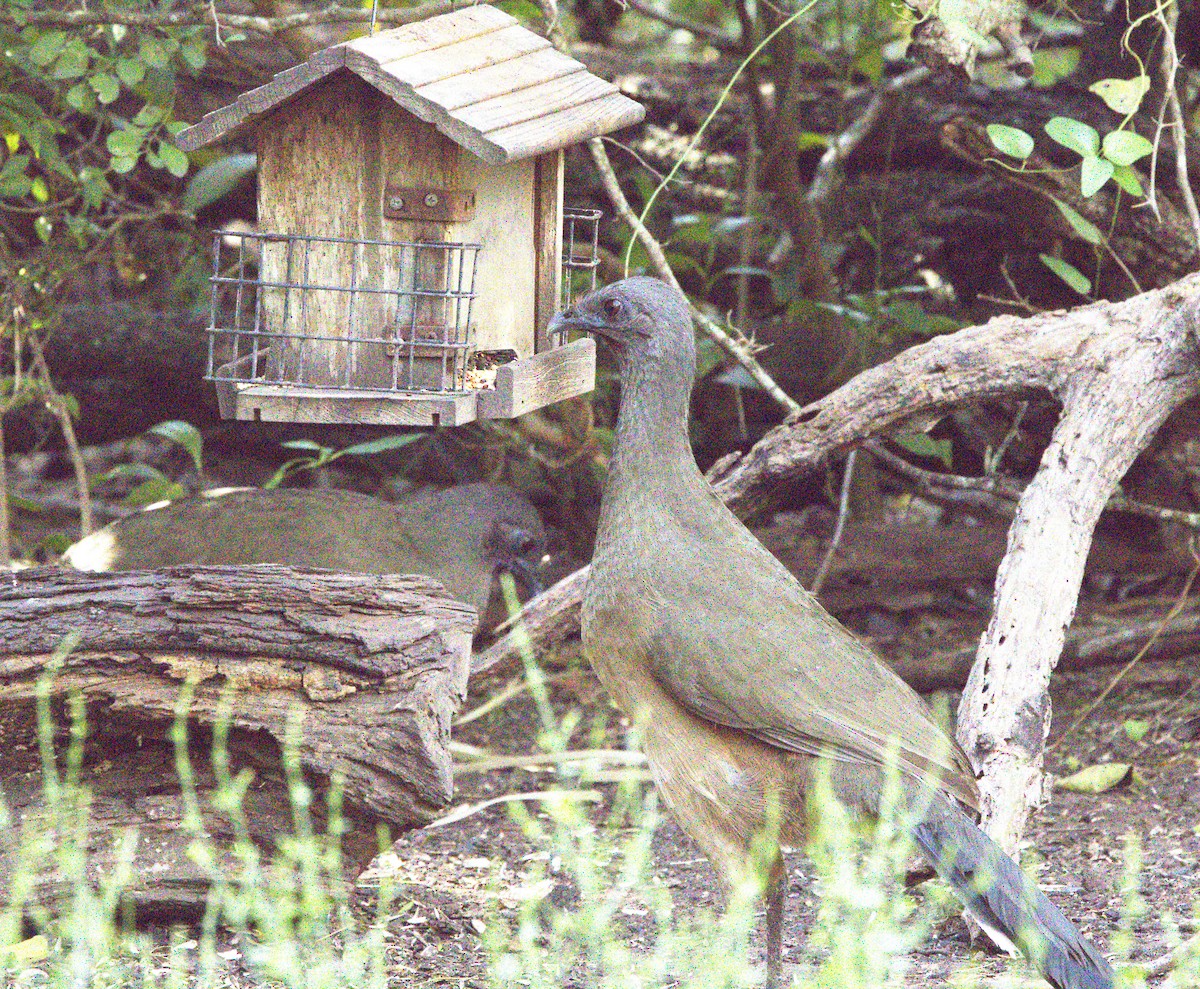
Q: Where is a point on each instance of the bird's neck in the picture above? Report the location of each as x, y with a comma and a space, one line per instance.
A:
652, 471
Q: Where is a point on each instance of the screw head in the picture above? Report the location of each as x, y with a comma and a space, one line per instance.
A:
431, 199
396, 202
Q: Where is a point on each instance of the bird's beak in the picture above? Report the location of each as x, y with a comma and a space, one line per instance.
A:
571, 319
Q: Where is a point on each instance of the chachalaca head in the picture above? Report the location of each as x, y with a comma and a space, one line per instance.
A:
463, 535
743, 683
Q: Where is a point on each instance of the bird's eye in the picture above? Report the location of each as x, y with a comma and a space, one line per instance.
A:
613, 308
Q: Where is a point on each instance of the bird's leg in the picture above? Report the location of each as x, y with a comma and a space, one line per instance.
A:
773, 897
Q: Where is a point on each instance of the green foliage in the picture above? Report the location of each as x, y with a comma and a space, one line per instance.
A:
323, 455
924, 445
296, 927
1073, 277
150, 484
88, 127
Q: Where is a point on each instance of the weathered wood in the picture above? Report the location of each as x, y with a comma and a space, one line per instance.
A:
498, 81
441, 68
548, 243
506, 292
547, 377
280, 403
340, 119
555, 130
433, 33
369, 668
463, 57
536, 101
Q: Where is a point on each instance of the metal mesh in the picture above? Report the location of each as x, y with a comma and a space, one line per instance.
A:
581, 254
332, 312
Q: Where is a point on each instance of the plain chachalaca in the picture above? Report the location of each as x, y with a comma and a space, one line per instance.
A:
461, 535
744, 683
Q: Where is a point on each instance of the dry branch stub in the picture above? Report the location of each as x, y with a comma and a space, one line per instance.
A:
367, 670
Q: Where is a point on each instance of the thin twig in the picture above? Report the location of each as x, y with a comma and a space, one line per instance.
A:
5, 545
999, 493
827, 176
717, 38
616, 757
57, 407
201, 15
1168, 16
468, 810
738, 349
1164, 963
843, 511
1083, 715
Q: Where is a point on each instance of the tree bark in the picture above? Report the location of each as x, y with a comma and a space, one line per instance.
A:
358, 674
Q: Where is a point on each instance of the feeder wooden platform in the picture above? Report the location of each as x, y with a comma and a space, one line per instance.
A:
521, 386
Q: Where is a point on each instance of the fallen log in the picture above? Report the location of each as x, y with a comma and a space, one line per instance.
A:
350, 678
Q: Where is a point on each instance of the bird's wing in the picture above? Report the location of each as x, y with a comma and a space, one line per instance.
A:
734, 638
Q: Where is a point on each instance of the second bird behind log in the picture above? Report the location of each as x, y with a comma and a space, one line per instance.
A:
743, 682
461, 535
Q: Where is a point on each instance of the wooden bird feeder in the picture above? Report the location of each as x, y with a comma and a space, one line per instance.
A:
411, 244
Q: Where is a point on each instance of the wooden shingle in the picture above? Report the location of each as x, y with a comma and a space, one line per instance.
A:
490, 85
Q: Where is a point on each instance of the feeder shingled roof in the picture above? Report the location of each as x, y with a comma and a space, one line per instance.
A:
490, 85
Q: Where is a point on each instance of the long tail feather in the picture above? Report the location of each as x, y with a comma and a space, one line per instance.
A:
1005, 902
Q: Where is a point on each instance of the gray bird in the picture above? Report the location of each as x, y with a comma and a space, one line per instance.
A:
462, 535
743, 682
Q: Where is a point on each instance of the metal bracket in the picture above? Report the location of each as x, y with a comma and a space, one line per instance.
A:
428, 205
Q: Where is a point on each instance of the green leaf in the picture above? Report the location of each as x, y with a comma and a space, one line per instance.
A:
218, 179
1068, 273
1012, 141
1124, 147
1093, 175
81, 98
194, 51
126, 142
1084, 228
1098, 778
47, 48
43, 228
1052, 64
174, 160
183, 433
38, 188
73, 61
130, 71
383, 444
924, 446
25, 505
278, 477
1128, 180
1123, 96
154, 53
807, 140
149, 115
152, 491
130, 473
123, 164
305, 445
106, 87
1081, 138
1136, 729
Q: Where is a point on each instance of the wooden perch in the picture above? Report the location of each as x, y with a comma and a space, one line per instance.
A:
373, 667
1118, 369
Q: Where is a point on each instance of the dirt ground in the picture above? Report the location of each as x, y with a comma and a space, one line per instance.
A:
452, 876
